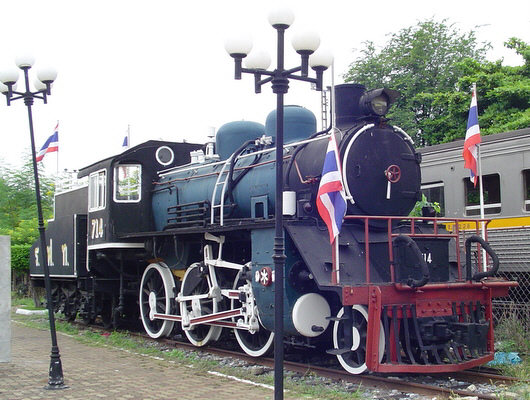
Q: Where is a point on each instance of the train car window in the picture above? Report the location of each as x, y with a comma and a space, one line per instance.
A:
526, 175
492, 195
97, 183
434, 192
127, 183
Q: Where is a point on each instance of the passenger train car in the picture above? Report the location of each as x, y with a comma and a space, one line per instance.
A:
505, 160
185, 243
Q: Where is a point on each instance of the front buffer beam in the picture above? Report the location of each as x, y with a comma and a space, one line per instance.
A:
435, 328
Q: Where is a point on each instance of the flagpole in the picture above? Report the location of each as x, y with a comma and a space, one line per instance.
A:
333, 97
57, 160
480, 186
336, 259
481, 191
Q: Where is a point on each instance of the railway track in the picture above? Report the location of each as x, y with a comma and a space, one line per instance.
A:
401, 383
371, 380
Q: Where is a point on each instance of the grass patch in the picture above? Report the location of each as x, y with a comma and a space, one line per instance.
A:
511, 335
25, 302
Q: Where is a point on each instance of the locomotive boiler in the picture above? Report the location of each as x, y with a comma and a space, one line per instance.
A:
190, 240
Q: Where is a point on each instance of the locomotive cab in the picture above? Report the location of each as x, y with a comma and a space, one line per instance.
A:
93, 262
119, 191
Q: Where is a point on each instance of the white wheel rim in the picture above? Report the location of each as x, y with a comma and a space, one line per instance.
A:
356, 339
356, 342
213, 333
251, 352
169, 285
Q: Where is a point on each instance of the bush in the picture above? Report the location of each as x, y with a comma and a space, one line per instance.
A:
511, 335
20, 257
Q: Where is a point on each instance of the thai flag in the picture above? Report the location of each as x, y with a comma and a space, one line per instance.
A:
472, 139
51, 145
125, 143
331, 200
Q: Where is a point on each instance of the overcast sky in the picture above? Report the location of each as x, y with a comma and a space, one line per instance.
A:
160, 65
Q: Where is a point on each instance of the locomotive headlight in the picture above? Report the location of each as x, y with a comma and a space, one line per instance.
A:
380, 105
377, 101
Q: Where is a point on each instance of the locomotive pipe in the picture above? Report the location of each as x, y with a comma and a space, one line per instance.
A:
485, 245
408, 242
121, 301
295, 153
231, 181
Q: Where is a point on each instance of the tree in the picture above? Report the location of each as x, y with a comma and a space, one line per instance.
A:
417, 61
18, 207
503, 94
18, 215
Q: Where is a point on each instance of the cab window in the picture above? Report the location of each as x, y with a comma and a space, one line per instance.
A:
127, 183
97, 184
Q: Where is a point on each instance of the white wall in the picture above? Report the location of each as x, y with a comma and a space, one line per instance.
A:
5, 299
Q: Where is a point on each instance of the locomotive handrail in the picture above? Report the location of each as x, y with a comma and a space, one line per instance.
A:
407, 241
285, 157
453, 225
194, 166
295, 153
494, 258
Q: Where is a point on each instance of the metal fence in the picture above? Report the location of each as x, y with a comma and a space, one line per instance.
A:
512, 245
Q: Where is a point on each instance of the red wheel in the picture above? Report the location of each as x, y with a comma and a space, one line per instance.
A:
393, 173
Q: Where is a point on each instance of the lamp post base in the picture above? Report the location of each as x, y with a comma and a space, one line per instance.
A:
55, 379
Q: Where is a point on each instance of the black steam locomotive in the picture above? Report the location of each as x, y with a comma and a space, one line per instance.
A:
180, 236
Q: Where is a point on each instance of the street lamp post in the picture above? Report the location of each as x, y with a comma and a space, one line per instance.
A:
257, 64
43, 89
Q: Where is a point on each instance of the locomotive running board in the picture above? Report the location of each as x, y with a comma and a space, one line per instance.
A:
209, 319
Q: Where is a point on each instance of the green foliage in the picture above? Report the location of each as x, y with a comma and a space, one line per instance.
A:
511, 334
18, 207
417, 60
20, 257
434, 65
416, 211
25, 232
20, 301
18, 210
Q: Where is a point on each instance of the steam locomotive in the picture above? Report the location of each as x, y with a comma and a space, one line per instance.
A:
180, 236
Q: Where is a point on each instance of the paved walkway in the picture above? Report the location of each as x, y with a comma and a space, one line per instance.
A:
105, 373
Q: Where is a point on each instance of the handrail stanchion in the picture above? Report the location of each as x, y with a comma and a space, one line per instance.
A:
458, 260
391, 251
367, 249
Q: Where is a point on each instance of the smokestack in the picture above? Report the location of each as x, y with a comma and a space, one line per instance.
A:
347, 108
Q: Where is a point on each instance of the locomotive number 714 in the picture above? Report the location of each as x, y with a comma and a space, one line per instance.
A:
96, 232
